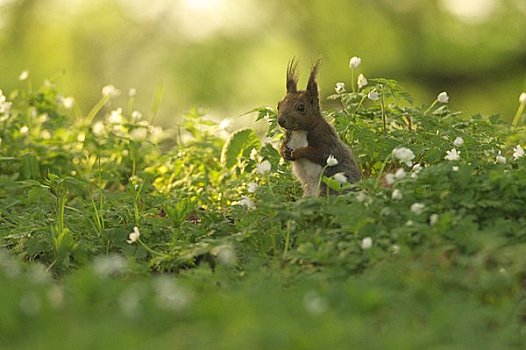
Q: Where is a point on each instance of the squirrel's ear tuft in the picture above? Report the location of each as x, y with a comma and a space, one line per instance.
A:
292, 76
312, 85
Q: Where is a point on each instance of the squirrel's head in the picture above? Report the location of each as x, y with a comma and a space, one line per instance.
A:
299, 109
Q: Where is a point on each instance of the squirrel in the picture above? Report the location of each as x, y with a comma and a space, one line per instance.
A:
309, 139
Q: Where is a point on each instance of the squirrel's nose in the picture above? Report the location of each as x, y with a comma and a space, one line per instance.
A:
281, 121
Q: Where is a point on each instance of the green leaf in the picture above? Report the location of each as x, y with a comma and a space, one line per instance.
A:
239, 144
30, 167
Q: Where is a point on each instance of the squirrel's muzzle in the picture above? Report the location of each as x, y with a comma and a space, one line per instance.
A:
282, 121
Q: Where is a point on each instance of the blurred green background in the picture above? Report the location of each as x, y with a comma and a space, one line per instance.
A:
230, 55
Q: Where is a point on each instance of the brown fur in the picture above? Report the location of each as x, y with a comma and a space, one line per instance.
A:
299, 114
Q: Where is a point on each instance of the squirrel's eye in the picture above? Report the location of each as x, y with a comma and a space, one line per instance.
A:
300, 108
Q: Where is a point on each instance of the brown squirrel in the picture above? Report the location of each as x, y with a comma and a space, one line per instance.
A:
309, 138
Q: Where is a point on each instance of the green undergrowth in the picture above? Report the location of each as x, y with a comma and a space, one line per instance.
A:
118, 234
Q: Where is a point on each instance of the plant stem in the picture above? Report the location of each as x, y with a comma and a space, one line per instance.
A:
352, 80
377, 184
359, 104
382, 106
431, 107
150, 249
321, 177
517, 117
91, 115
287, 243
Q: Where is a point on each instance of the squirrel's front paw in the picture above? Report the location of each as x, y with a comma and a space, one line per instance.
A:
287, 154
294, 154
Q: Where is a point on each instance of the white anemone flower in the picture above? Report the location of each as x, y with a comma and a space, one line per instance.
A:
340, 177
134, 236
23, 75
355, 62
110, 91
396, 195
459, 141
500, 159
252, 187
263, 167
433, 219
332, 161
373, 95
404, 155
443, 97
518, 152
417, 208
367, 243
452, 155
362, 81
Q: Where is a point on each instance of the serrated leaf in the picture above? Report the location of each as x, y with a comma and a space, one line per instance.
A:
239, 144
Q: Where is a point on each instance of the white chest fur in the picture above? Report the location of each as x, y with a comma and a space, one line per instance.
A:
298, 139
306, 171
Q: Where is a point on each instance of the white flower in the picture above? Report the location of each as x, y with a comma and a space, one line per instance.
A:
45, 134
134, 236
340, 177
395, 249
361, 196
396, 195
98, 128
314, 303
115, 116
4, 105
403, 154
459, 141
332, 161
246, 202
156, 133
23, 75
367, 243
340, 88
252, 187
67, 102
136, 115
373, 95
24, 130
139, 134
522, 98
361, 81
417, 208
417, 168
132, 92
105, 266
455, 168
355, 62
263, 167
253, 154
169, 295
452, 154
110, 91
390, 179
433, 219
500, 159
443, 97
518, 152
225, 123
226, 254
400, 173
43, 118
